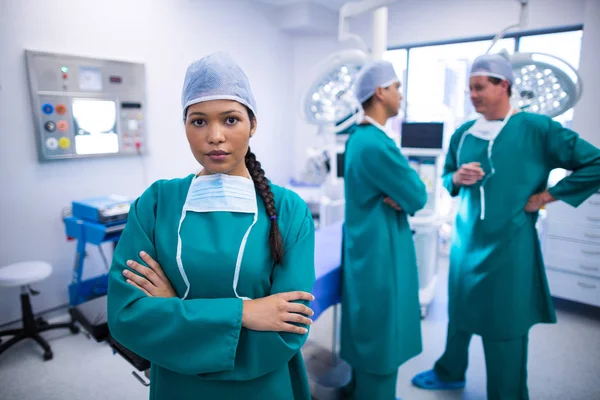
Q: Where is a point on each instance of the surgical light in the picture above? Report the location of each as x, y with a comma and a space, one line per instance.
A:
544, 84
330, 99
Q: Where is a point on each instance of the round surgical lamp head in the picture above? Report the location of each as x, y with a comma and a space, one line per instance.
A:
330, 99
544, 84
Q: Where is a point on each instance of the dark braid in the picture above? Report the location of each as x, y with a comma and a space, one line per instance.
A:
264, 190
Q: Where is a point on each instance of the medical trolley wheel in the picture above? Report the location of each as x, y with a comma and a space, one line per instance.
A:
48, 355
74, 329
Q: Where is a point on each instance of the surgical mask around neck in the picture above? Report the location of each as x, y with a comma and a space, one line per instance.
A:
487, 131
219, 193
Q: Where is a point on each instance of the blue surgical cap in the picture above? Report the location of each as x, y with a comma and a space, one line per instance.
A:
494, 65
373, 75
216, 77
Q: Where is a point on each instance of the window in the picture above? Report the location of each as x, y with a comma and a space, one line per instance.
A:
435, 77
438, 78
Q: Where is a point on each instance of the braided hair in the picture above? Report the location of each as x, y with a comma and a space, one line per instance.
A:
264, 190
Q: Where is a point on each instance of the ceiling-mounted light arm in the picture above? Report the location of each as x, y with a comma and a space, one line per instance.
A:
353, 9
523, 16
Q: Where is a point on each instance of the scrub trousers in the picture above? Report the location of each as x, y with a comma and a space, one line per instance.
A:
366, 386
505, 364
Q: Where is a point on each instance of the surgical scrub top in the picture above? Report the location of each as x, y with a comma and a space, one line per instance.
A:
197, 347
381, 319
497, 283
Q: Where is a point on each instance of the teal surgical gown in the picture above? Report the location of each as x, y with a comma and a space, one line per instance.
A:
381, 321
497, 283
197, 347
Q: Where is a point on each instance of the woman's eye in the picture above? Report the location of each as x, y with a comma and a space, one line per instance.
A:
198, 122
231, 120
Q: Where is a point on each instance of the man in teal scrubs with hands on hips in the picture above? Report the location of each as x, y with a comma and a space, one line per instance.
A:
499, 166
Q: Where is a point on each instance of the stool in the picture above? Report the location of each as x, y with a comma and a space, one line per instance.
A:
24, 274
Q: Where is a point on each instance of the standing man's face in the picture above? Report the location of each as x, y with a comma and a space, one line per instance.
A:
392, 99
485, 95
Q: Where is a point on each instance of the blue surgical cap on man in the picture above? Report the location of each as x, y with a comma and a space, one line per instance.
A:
494, 65
374, 75
216, 77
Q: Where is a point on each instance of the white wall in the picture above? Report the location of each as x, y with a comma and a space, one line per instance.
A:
166, 36
421, 21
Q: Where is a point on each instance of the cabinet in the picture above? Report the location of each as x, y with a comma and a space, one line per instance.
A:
571, 248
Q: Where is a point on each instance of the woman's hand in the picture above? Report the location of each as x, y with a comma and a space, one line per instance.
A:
152, 281
277, 312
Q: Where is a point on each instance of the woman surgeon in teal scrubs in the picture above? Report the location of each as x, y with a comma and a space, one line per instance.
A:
211, 277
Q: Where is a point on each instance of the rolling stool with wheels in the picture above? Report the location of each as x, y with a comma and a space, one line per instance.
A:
24, 274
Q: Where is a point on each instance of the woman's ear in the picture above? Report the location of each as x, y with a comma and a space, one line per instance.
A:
253, 125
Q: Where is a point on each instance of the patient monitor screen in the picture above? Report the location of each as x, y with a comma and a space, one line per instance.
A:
95, 125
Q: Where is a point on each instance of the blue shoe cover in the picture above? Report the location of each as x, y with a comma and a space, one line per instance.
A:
429, 380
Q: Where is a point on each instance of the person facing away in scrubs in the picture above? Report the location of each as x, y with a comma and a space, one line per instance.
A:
211, 277
381, 322
499, 166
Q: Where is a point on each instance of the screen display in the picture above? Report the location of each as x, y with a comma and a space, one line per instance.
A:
90, 78
130, 105
422, 135
340, 164
95, 126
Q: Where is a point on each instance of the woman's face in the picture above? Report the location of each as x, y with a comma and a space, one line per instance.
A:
218, 132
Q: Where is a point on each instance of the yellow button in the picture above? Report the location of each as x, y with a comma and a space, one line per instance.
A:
64, 143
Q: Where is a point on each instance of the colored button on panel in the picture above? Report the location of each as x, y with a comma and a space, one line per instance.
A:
62, 126
48, 108
50, 126
133, 124
52, 143
64, 143
61, 109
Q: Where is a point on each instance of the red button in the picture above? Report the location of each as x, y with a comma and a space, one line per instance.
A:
61, 109
65, 76
62, 126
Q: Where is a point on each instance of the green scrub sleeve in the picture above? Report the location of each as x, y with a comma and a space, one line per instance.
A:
390, 172
565, 149
259, 353
451, 165
185, 336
